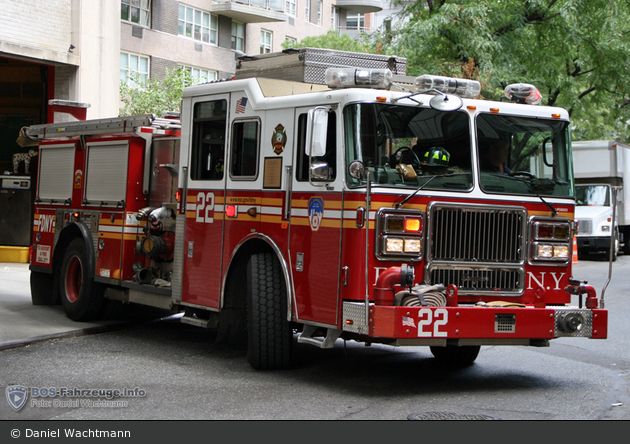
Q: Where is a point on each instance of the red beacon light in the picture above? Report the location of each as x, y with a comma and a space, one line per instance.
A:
523, 93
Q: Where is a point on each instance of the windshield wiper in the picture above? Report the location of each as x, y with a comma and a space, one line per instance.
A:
553, 210
404, 201
537, 184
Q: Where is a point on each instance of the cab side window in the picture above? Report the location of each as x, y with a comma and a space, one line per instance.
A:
245, 147
208, 140
302, 166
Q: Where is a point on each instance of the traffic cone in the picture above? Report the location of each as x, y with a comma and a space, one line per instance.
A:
575, 251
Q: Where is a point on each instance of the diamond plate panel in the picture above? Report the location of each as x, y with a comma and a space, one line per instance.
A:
178, 260
355, 312
587, 327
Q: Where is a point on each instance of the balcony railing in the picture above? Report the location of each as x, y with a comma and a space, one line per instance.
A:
354, 31
250, 11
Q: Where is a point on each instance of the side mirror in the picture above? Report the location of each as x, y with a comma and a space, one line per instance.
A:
320, 172
316, 131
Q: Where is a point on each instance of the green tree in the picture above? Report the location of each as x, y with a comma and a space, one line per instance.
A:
333, 40
143, 96
577, 52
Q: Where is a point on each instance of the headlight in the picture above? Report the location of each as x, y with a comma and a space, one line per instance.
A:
550, 251
606, 228
550, 240
400, 234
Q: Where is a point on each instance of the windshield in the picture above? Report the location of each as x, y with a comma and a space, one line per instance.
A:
592, 195
524, 155
406, 146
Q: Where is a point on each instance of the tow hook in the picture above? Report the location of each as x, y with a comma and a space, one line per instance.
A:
384, 291
579, 288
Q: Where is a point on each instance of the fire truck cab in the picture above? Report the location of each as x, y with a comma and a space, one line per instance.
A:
372, 207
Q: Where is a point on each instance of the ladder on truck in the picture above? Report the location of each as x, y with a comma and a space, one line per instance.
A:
111, 125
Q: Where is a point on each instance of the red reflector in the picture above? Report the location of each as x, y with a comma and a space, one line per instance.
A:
177, 196
545, 231
413, 225
230, 211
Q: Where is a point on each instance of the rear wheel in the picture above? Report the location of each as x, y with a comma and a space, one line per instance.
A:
42, 289
457, 356
269, 334
81, 297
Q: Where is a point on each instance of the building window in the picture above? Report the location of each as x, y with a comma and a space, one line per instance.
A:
265, 41
355, 21
334, 18
238, 36
308, 11
319, 12
291, 40
291, 7
198, 25
200, 75
136, 11
134, 69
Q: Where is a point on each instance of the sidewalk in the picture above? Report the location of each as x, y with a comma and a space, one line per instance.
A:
21, 322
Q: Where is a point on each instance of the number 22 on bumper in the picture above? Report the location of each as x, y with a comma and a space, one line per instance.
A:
431, 322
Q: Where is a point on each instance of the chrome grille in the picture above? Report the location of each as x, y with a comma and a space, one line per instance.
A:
471, 234
480, 249
585, 226
471, 280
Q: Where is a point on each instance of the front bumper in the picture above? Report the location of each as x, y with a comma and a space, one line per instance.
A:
472, 325
593, 243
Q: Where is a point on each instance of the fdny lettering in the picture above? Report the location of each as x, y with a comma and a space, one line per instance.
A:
540, 280
46, 222
205, 208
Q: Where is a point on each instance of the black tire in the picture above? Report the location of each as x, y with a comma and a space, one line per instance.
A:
42, 289
456, 356
81, 297
269, 334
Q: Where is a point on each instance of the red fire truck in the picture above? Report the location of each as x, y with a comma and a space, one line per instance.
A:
372, 207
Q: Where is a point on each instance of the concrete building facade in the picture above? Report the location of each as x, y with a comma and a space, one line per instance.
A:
79, 50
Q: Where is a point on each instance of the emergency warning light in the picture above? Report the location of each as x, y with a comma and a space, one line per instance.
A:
448, 85
358, 77
523, 93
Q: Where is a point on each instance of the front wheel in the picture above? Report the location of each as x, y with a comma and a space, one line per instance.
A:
456, 356
269, 333
81, 297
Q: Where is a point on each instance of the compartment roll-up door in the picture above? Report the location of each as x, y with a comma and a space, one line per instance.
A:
106, 176
56, 172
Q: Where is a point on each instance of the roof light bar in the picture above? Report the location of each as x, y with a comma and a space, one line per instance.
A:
448, 85
523, 93
358, 77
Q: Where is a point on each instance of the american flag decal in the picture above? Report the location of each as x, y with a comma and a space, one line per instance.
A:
240, 105
408, 322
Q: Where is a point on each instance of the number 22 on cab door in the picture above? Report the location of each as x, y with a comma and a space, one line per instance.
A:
205, 208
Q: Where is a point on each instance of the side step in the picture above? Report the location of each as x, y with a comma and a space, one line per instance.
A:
306, 337
192, 319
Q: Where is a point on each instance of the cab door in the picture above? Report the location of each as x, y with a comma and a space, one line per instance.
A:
203, 238
315, 227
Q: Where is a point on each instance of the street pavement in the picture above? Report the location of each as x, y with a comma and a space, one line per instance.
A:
21, 322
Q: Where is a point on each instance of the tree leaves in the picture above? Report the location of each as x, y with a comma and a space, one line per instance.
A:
141, 96
577, 52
